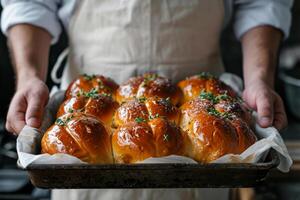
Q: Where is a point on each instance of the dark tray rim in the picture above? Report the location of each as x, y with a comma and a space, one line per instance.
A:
272, 163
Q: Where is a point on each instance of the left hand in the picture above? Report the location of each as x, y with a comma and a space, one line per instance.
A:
268, 104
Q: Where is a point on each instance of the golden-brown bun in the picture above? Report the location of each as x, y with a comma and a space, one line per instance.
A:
211, 133
131, 111
168, 138
145, 109
246, 136
100, 106
136, 141
80, 135
95, 83
148, 85
192, 86
133, 142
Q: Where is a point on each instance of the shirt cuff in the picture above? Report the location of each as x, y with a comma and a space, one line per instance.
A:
272, 14
31, 13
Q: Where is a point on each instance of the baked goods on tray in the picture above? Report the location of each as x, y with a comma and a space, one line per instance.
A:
100, 122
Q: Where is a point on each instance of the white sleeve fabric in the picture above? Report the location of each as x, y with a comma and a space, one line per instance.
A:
40, 13
252, 13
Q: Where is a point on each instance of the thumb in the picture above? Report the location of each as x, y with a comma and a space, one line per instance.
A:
264, 104
35, 110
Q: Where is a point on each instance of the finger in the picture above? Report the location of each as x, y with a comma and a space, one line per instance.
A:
35, 110
16, 114
264, 104
280, 118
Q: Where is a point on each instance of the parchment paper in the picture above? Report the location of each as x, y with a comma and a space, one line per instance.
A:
28, 142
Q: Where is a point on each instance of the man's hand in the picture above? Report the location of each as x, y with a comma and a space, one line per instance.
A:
268, 104
260, 49
27, 106
29, 47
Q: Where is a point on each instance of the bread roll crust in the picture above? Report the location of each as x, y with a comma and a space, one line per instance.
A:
136, 141
133, 142
100, 106
87, 83
168, 137
148, 85
80, 135
192, 86
145, 109
211, 137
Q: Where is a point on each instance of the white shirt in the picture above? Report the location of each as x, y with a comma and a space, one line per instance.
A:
49, 14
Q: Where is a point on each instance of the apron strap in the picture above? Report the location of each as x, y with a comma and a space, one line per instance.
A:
57, 65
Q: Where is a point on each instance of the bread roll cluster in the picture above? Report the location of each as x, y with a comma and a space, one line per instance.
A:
100, 122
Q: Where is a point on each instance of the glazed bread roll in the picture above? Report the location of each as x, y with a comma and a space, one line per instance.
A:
100, 106
212, 131
89, 83
148, 85
192, 86
80, 135
145, 109
135, 141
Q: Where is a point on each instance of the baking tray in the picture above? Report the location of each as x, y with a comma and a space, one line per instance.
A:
151, 175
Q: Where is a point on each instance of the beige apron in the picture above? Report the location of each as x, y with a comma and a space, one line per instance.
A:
124, 38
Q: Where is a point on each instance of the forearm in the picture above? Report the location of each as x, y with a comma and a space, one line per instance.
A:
260, 50
29, 46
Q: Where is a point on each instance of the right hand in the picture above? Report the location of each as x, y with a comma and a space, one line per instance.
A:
27, 105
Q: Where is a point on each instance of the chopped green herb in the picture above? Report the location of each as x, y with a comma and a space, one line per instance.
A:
208, 96
213, 111
205, 75
93, 93
150, 76
226, 115
80, 93
140, 120
224, 96
154, 116
144, 83
59, 122
88, 77
142, 99
62, 122
100, 82
70, 110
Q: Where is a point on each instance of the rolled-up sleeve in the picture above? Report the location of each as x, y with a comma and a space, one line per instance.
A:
41, 13
252, 13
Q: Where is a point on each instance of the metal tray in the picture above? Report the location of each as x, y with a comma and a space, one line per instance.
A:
151, 175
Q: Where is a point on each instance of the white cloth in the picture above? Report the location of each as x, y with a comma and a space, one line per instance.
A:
47, 14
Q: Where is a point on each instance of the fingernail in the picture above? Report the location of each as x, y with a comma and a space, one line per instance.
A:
265, 121
33, 122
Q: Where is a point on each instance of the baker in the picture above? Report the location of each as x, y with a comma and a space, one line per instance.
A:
124, 38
